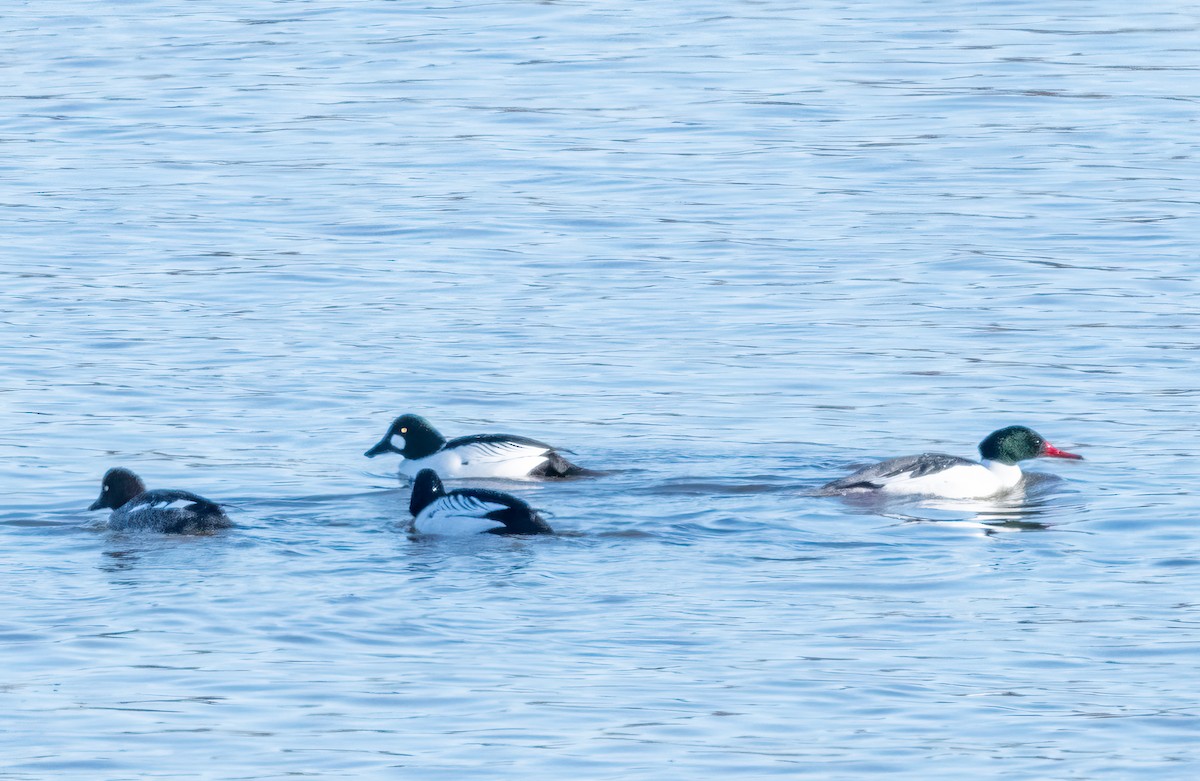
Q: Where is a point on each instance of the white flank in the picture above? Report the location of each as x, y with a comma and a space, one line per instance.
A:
962, 481
511, 460
457, 515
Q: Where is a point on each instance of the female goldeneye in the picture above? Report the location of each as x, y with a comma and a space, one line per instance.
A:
174, 512
469, 510
951, 477
479, 455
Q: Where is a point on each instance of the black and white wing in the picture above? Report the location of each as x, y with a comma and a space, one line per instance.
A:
478, 510
893, 470
459, 513
170, 511
168, 499
483, 448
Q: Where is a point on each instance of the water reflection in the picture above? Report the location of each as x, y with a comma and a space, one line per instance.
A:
187, 556
482, 555
1038, 496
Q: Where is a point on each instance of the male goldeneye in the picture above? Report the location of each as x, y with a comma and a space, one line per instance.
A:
479, 455
174, 512
469, 510
951, 477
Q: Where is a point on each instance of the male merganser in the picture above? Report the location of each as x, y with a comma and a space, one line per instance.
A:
480, 455
469, 510
173, 512
951, 477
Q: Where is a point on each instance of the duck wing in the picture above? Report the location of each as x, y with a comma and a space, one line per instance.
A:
896, 469
473, 511
459, 512
496, 447
166, 498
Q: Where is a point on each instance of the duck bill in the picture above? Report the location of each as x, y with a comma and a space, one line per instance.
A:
97, 505
1050, 451
382, 446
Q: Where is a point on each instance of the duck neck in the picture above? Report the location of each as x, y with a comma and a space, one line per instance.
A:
1008, 474
421, 442
426, 489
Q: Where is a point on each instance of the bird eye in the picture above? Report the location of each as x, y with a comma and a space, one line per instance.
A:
106, 489
404, 431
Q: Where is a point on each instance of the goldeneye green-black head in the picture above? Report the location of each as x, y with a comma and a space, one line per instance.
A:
412, 436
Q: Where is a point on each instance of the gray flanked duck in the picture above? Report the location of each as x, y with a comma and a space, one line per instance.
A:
469, 510
951, 477
479, 455
164, 510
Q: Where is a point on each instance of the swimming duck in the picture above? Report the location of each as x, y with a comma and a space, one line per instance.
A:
173, 512
479, 455
469, 510
952, 477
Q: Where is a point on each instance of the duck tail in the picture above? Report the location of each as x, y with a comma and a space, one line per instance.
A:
557, 466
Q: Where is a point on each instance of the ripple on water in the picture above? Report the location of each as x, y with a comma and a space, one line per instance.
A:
720, 261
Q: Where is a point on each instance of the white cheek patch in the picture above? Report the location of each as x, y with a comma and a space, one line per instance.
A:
397, 441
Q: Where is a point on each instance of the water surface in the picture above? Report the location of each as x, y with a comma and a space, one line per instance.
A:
727, 251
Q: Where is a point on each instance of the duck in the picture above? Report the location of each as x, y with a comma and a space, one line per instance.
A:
467, 511
478, 455
952, 477
163, 510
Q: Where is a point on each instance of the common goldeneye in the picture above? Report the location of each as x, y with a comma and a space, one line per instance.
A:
469, 510
479, 455
174, 512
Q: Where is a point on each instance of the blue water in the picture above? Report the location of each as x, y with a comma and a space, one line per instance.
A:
727, 251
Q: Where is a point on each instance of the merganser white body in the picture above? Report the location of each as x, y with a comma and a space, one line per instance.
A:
951, 477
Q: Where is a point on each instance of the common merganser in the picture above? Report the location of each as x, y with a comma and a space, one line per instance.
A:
951, 477
469, 510
164, 510
480, 455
